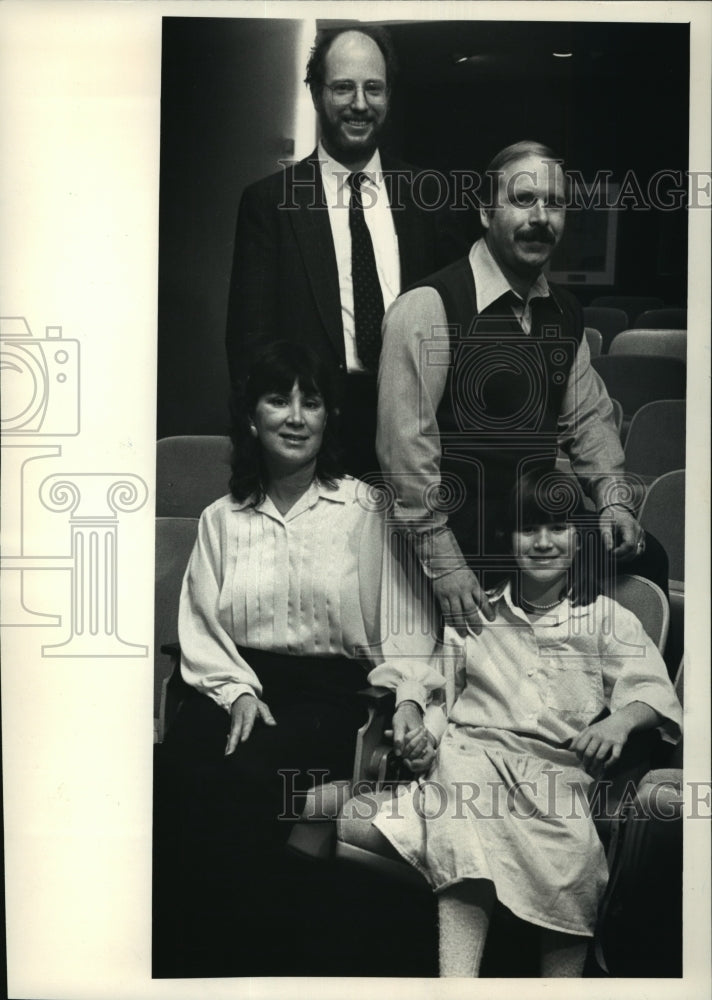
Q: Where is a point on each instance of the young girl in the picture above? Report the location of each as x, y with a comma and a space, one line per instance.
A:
502, 813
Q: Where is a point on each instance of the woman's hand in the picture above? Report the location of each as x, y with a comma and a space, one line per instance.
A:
411, 740
243, 712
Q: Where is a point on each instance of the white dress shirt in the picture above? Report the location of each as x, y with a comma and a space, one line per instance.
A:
379, 219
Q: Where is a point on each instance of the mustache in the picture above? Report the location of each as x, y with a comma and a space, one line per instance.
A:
536, 234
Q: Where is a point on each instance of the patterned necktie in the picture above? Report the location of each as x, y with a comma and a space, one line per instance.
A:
368, 297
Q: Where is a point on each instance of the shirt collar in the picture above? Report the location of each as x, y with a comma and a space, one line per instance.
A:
491, 284
562, 613
335, 175
317, 491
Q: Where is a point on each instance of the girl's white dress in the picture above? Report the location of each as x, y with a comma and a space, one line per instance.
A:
506, 799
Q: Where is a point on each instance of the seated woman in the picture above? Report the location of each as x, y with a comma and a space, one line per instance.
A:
544, 700
279, 603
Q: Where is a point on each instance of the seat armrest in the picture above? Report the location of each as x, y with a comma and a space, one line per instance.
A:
372, 745
171, 649
173, 691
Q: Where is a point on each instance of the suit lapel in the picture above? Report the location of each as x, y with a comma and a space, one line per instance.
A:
397, 178
312, 231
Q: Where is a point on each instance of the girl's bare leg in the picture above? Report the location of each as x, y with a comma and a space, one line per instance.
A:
464, 914
562, 954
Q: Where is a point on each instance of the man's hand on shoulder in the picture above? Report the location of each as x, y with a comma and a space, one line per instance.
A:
463, 602
621, 532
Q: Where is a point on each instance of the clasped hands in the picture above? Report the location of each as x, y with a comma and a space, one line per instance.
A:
412, 742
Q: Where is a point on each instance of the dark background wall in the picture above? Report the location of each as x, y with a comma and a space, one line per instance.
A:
466, 89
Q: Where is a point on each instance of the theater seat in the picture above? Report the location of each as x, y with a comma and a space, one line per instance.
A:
663, 515
594, 338
665, 343
632, 305
192, 470
635, 380
662, 319
607, 321
175, 537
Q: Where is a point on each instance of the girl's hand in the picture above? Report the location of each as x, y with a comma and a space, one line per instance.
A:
422, 762
243, 712
409, 738
600, 745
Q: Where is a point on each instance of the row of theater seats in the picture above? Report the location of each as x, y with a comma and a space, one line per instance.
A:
609, 316
654, 448
658, 342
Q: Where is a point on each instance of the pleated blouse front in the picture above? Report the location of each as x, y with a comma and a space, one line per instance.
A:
305, 583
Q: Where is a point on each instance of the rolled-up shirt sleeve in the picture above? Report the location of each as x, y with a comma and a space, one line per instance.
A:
634, 670
587, 434
210, 661
410, 389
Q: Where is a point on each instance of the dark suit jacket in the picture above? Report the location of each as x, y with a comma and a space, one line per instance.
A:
285, 282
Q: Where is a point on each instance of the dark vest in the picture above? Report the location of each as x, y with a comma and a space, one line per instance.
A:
503, 395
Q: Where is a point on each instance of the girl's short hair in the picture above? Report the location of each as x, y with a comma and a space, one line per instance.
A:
276, 367
553, 497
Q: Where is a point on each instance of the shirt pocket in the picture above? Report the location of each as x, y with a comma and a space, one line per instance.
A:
574, 688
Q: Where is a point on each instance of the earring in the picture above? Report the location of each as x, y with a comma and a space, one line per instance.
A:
253, 430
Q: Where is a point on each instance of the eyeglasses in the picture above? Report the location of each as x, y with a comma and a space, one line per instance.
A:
344, 91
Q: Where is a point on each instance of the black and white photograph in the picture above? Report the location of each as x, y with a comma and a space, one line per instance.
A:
355, 520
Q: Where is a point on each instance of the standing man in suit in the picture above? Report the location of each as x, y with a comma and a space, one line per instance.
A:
484, 374
323, 247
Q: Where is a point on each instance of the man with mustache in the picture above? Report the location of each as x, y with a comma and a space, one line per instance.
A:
323, 247
484, 373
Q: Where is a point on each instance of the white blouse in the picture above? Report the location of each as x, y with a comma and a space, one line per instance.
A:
306, 583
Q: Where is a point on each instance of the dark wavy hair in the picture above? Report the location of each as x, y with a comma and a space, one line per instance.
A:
275, 368
315, 66
552, 497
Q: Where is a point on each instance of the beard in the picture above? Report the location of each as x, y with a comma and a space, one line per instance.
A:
350, 148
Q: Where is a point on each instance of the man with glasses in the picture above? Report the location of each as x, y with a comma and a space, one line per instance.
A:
323, 247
